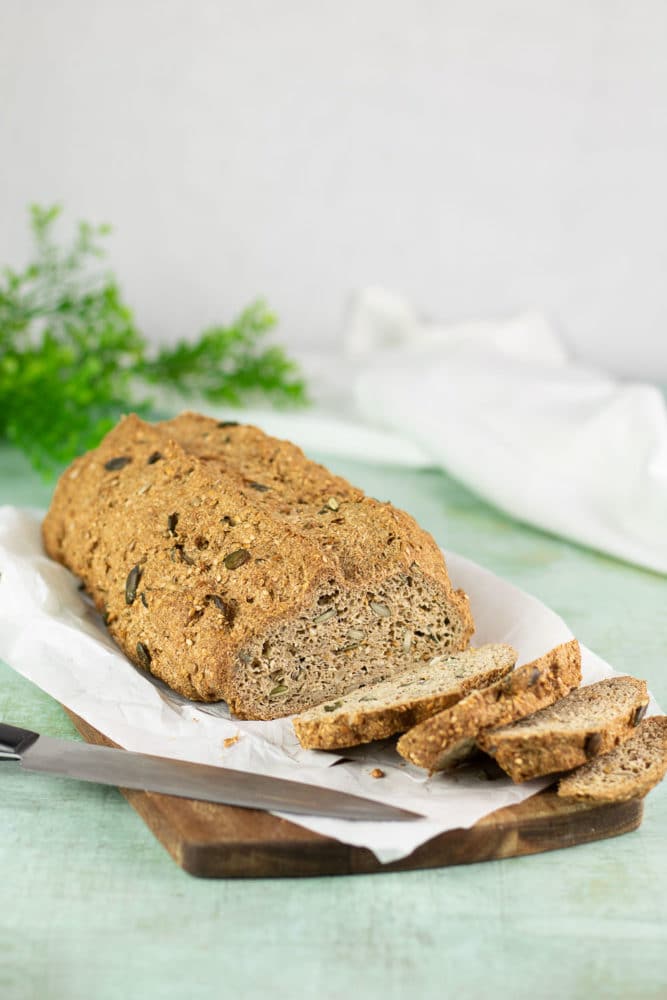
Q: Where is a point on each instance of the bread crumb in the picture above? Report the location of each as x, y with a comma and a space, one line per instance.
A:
231, 740
377, 773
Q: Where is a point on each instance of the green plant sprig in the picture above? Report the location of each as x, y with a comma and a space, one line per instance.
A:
72, 359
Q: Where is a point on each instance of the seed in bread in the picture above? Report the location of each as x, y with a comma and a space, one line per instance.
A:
377, 711
588, 722
448, 738
627, 772
232, 567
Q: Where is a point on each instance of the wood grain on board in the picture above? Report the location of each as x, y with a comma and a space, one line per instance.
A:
217, 841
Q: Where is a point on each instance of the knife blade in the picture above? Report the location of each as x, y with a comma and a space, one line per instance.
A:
126, 769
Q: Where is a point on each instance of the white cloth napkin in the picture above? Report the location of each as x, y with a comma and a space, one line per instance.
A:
502, 408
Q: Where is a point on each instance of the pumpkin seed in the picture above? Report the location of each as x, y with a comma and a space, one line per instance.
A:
278, 690
133, 578
333, 707
381, 610
236, 559
228, 608
228, 423
117, 463
260, 487
143, 655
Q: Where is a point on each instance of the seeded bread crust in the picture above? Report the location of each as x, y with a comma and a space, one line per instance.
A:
442, 742
588, 722
378, 711
233, 568
629, 771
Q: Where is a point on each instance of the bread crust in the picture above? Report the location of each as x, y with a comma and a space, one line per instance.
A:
203, 541
442, 742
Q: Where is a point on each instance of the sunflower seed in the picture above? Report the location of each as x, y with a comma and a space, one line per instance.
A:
172, 521
236, 558
332, 503
356, 635
179, 552
155, 457
325, 616
381, 610
260, 487
228, 423
407, 640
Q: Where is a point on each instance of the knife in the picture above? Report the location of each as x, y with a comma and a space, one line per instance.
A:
109, 766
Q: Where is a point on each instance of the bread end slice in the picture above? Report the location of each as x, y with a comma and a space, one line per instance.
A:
627, 772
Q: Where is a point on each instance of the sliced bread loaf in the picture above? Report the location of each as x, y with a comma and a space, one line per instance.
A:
232, 567
380, 710
627, 772
443, 741
588, 722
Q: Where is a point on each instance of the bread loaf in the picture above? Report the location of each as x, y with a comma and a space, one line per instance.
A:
233, 568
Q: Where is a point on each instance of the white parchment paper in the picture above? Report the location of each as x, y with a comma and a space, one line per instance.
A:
51, 634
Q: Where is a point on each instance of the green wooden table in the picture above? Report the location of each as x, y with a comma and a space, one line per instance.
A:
92, 907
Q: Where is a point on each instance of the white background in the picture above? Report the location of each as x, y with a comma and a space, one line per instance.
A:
478, 156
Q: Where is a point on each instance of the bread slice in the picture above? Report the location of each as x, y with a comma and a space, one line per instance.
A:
627, 772
232, 567
380, 710
442, 742
588, 722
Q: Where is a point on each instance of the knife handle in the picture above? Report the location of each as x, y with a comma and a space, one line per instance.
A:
14, 740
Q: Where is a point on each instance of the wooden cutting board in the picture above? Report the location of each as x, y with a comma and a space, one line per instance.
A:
215, 841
